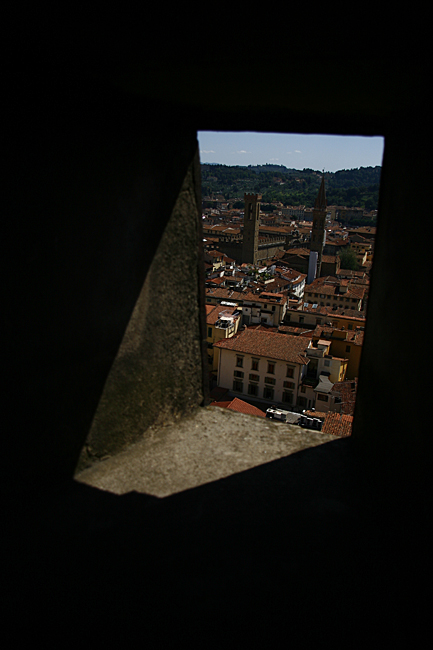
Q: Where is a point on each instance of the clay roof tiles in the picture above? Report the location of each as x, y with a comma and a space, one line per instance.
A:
240, 406
261, 343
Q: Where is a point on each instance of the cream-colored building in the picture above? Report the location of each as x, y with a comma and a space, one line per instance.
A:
279, 369
323, 371
334, 293
257, 309
266, 308
264, 366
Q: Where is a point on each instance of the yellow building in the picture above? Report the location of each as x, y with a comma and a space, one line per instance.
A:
222, 322
345, 344
350, 323
322, 361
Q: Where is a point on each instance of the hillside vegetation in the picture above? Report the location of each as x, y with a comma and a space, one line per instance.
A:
348, 187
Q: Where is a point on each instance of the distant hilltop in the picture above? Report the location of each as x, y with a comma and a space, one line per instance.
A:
269, 167
276, 183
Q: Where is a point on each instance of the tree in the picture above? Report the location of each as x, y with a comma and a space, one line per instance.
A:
348, 259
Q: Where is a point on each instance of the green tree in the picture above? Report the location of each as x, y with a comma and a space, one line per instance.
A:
348, 259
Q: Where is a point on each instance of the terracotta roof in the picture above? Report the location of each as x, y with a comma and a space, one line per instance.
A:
215, 281
241, 407
335, 424
215, 253
370, 230
352, 336
298, 251
316, 414
277, 229
264, 297
329, 288
262, 343
268, 294
356, 336
338, 424
213, 313
290, 274
278, 282
308, 308
346, 390
328, 259
240, 296
296, 331
353, 314
336, 242
225, 294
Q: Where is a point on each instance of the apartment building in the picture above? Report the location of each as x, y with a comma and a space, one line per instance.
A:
344, 344
330, 292
263, 365
222, 321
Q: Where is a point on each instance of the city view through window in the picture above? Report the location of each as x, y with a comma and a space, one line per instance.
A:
289, 224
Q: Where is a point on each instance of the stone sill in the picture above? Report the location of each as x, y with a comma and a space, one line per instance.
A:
211, 444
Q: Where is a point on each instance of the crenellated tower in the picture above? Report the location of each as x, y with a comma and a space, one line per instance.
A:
250, 244
318, 233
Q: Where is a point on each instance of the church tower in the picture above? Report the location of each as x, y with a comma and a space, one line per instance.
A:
318, 233
250, 244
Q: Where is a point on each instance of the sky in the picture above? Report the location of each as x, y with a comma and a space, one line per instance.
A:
294, 150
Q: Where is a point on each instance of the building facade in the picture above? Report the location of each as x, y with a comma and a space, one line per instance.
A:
263, 366
221, 322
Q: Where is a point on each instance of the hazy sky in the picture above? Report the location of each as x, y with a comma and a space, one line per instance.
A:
328, 152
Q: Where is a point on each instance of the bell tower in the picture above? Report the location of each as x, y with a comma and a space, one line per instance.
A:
250, 244
318, 233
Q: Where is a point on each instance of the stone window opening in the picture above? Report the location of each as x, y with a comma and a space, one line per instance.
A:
237, 384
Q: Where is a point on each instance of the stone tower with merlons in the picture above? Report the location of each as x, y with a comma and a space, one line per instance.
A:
319, 219
250, 244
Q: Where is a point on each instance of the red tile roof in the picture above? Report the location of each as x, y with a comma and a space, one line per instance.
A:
332, 288
290, 274
298, 251
295, 331
346, 390
351, 336
328, 259
335, 424
271, 345
338, 424
241, 407
216, 281
213, 312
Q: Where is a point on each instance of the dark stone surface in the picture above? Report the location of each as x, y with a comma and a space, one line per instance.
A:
89, 190
156, 376
295, 548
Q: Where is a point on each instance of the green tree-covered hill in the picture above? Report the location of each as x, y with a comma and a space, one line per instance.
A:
347, 187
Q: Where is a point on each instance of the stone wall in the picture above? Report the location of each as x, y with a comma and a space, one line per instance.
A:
95, 222
156, 375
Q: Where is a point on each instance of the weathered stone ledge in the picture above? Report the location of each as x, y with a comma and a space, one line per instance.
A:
211, 444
